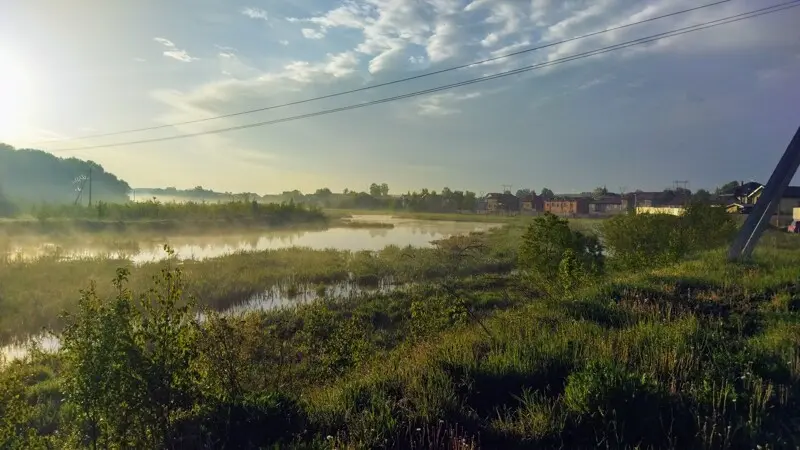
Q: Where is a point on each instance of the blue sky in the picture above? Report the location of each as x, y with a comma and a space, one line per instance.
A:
707, 107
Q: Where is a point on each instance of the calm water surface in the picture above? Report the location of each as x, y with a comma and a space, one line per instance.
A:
417, 233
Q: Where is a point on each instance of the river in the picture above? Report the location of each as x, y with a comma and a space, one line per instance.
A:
405, 232
417, 233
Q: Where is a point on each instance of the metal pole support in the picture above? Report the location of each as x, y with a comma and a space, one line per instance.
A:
767, 203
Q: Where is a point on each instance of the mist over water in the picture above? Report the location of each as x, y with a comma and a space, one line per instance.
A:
405, 232
416, 233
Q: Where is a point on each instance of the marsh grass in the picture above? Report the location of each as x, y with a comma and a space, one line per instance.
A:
34, 292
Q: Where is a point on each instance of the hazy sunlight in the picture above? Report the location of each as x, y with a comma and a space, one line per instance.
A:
16, 95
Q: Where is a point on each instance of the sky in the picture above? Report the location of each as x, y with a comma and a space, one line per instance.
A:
706, 107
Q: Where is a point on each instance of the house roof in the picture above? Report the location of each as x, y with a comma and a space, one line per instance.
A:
644, 195
562, 198
501, 197
606, 200
792, 192
747, 189
752, 187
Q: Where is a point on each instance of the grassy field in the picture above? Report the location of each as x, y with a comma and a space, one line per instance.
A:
695, 353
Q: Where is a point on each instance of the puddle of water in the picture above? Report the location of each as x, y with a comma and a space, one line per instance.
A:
46, 342
275, 298
416, 233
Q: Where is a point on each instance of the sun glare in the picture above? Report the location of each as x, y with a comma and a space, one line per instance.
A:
16, 96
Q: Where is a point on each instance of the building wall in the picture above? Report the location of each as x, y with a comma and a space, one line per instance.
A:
787, 205
605, 208
531, 206
567, 207
672, 210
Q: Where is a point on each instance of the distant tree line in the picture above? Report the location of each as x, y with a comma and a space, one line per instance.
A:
34, 176
377, 197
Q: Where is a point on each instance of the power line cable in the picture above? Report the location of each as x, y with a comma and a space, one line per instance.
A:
389, 83
640, 41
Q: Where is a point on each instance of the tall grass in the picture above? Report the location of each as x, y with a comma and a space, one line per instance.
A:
34, 292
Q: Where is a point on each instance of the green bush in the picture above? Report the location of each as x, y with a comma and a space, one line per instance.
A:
642, 240
128, 365
647, 240
556, 258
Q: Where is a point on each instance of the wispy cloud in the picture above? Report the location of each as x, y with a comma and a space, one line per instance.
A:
173, 51
440, 105
165, 42
255, 13
180, 55
283, 42
595, 82
310, 33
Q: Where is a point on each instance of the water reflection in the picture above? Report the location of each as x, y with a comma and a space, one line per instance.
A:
417, 233
277, 297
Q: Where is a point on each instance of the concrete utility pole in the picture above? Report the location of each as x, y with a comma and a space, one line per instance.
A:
767, 203
90, 186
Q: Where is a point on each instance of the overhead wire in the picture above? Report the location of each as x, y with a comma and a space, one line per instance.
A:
603, 50
389, 83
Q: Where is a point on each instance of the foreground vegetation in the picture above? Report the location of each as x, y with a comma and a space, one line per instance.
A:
575, 350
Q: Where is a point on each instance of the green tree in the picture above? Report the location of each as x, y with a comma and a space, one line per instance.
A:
547, 194
6, 207
324, 192
523, 193
384, 189
34, 176
702, 196
727, 188
599, 191
128, 371
469, 202
375, 190
551, 253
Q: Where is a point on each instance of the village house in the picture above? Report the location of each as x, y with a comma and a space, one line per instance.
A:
567, 206
530, 204
608, 204
505, 202
644, 199
745, 197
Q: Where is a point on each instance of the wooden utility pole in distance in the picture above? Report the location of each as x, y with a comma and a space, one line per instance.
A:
767, 203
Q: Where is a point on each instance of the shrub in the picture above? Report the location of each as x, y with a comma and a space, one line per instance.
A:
647, 240
556, 258
17, 414
128, 370
642, 240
